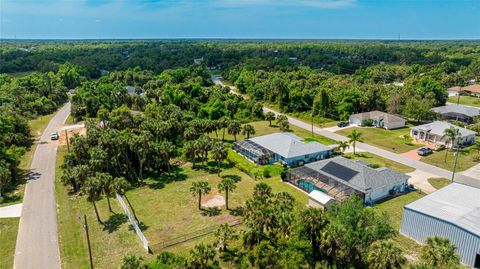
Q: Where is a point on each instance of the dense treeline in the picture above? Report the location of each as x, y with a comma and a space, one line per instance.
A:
278, 235
23, 98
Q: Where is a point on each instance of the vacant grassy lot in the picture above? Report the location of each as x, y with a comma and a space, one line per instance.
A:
391, 140
8, 237
467, 158
263, 128
439, 182
376, 161
393, 208
465, 100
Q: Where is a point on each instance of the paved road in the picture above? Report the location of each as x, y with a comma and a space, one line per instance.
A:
372, 149
37, 240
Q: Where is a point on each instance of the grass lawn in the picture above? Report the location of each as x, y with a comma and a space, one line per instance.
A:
305, 116
393, 208
263, 128
391, 140
376, 161
37, 126
439, 182
8, 237
468, 157
465, 100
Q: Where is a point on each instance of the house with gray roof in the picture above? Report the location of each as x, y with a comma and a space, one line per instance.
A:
340, 177
452, 212
286, 148
434, 133
457, 112
380, 119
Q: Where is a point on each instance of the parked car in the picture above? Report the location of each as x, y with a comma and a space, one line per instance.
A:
424, 151
342, 124
54, 136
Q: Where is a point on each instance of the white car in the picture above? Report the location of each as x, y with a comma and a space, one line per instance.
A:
54, 136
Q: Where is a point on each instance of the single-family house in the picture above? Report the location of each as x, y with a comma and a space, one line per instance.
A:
452, 212
434, 132
457, 112
379, 118
286, 148
340, 177
473, 90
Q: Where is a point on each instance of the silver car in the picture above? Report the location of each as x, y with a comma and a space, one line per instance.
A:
54, 136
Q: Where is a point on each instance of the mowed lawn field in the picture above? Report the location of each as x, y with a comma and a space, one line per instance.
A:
8, 237
376, 161
467, 158
391, 140
465, 100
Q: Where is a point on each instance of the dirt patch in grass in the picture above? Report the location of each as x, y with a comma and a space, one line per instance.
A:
213, 200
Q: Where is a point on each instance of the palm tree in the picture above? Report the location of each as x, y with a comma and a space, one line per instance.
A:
234, 128
93, 189
385, 255
106, 181
202, 256
219, 153
451, 135
248, 130
269, 116
190, 151
440, 253
343, 145
226, 184
282, 121
200, 188
223, 234
223, 123
203, 145
355, 137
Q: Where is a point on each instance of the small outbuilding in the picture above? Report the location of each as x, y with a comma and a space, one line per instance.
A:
379, 119
319, 199
457, 112
452, 212
434, 133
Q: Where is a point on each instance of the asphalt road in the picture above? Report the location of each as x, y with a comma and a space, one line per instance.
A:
37, 240
440, 172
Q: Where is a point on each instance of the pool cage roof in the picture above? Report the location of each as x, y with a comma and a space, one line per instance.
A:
252, 147
337, 190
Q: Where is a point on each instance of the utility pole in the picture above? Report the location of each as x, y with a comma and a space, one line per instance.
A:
68, 142
88, 240
455, 164
312, 123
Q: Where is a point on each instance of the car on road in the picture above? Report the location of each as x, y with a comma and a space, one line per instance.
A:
424, 151
342, 124
54, 136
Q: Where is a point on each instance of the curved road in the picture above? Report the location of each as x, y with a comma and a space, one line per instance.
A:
37, 240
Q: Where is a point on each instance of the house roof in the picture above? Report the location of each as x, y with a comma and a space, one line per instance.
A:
438, 128
455, 203
458, 109
288, 145
357, 174
377, 115
470, 88
320, 197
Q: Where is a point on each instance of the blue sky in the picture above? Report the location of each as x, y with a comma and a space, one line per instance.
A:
322, 19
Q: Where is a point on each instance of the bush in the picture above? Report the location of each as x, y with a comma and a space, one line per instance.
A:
367, 122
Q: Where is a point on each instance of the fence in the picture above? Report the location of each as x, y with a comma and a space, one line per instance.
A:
190, 236
133, 222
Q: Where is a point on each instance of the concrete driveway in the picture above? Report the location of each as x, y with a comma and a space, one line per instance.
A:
11, 211
37, 240
473, 172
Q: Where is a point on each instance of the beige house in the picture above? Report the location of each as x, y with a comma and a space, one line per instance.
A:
380, 119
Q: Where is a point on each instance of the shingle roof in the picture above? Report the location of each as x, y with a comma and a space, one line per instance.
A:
455, 203
459, 109
438, 128
470, 88
357, 175
377, 115
288, 145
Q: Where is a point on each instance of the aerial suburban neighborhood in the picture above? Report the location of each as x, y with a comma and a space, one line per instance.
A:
239, 134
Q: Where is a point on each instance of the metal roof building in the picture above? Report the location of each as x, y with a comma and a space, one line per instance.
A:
452, 212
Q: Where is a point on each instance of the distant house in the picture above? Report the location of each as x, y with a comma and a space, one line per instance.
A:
457, 112
434, 133
198, 61
380, 119
473, 90
452, 212
282, 147
340, 177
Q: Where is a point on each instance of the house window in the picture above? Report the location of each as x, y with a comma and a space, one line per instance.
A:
415, 132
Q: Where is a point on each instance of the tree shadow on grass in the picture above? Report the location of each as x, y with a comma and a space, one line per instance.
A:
235, 178
141, 225
114, 221
237, 211
162, 178
10, 198
211, 211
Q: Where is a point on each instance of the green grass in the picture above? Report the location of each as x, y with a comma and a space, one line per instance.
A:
8, 235
467, 158
393, 208
465, 100
391, 140
376, 161
438, 182
109, 243
70, 120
